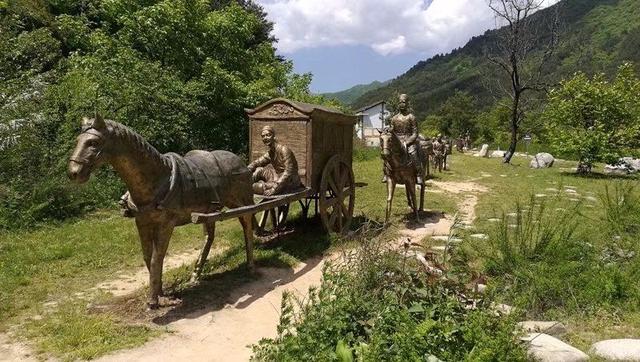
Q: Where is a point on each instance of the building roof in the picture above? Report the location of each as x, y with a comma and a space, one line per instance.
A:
370, 106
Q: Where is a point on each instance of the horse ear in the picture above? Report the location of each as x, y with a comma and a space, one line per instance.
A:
98, 122
86, 122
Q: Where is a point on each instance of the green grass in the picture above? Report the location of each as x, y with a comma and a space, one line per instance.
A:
54, 263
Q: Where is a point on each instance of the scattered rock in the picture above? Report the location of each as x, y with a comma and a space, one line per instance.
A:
591, 198
484, 151
479, 236
619, 170
545, 348
497, 154
617, 349
541, 195
551, 189
439, 248
512, 214
493, 220
631, 163
513, 226
503, 175
551, 328
542, 160
427, 266
502, 309
574, 199
570, 191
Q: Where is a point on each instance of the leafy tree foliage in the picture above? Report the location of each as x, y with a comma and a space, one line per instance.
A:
180, 72
596, 120
456, 117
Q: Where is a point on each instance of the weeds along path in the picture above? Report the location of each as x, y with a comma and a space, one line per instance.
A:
252, 311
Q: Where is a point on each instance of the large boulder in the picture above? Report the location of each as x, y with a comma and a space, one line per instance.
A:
632, 164
542, 160
617, 349
544, 348
618, 170
484, 151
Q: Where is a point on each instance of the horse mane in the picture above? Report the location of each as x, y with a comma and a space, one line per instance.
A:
126, 135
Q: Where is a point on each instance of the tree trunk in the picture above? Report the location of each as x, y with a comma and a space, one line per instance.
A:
514, 129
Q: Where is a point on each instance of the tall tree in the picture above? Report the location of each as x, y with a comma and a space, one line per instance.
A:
596, 120
513, 54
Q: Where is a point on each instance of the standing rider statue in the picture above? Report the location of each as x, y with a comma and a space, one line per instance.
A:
405, 126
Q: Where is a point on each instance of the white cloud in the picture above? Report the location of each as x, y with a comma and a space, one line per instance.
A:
387, 26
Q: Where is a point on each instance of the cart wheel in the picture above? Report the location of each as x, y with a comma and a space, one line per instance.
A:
336, 195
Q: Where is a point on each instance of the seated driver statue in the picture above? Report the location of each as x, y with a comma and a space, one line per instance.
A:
276, 172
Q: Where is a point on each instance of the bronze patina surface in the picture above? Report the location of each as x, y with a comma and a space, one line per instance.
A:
164, 189
404, 125
275, 172
404, 158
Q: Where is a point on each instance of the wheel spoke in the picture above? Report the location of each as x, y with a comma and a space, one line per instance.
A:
333, 217
332, 185
345, 209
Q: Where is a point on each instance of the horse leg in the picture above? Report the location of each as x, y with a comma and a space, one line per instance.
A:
422, 198
209, 230
160, 243
411, 195
145, 233
391, 187
408, 197
246, 222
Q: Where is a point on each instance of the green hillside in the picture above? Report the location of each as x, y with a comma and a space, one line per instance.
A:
350, 95
596, 36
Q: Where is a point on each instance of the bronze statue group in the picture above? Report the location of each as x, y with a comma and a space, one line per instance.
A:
165, 189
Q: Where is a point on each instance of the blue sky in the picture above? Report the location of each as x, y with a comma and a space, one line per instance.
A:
349, 42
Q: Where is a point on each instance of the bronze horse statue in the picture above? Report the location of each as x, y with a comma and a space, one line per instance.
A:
400, 170
164, 189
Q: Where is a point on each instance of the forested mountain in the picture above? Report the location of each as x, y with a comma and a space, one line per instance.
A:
350, 95
595, 36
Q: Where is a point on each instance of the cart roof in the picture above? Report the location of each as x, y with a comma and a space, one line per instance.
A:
305, 110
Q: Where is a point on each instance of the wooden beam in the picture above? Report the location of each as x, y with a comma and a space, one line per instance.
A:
265, 204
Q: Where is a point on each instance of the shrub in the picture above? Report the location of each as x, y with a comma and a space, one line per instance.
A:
544, 260
378, 308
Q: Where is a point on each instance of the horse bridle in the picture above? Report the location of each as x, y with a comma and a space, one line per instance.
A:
85, 161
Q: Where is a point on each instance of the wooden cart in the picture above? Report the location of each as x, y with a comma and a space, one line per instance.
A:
321, 138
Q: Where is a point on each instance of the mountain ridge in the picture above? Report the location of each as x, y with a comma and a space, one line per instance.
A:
597, 37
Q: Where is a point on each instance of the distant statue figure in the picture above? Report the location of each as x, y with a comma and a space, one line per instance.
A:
439, 153
460, 144
276, 171
404, 125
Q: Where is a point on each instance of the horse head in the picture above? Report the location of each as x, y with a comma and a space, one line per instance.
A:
89, 151
390, 144
386, 147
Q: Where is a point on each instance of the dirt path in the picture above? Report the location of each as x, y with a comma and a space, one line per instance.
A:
250, 312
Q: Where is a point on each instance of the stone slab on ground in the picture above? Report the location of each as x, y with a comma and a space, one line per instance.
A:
545, 348
548, 327
617, 349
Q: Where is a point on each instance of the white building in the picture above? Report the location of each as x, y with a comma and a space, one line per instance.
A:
371, 119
